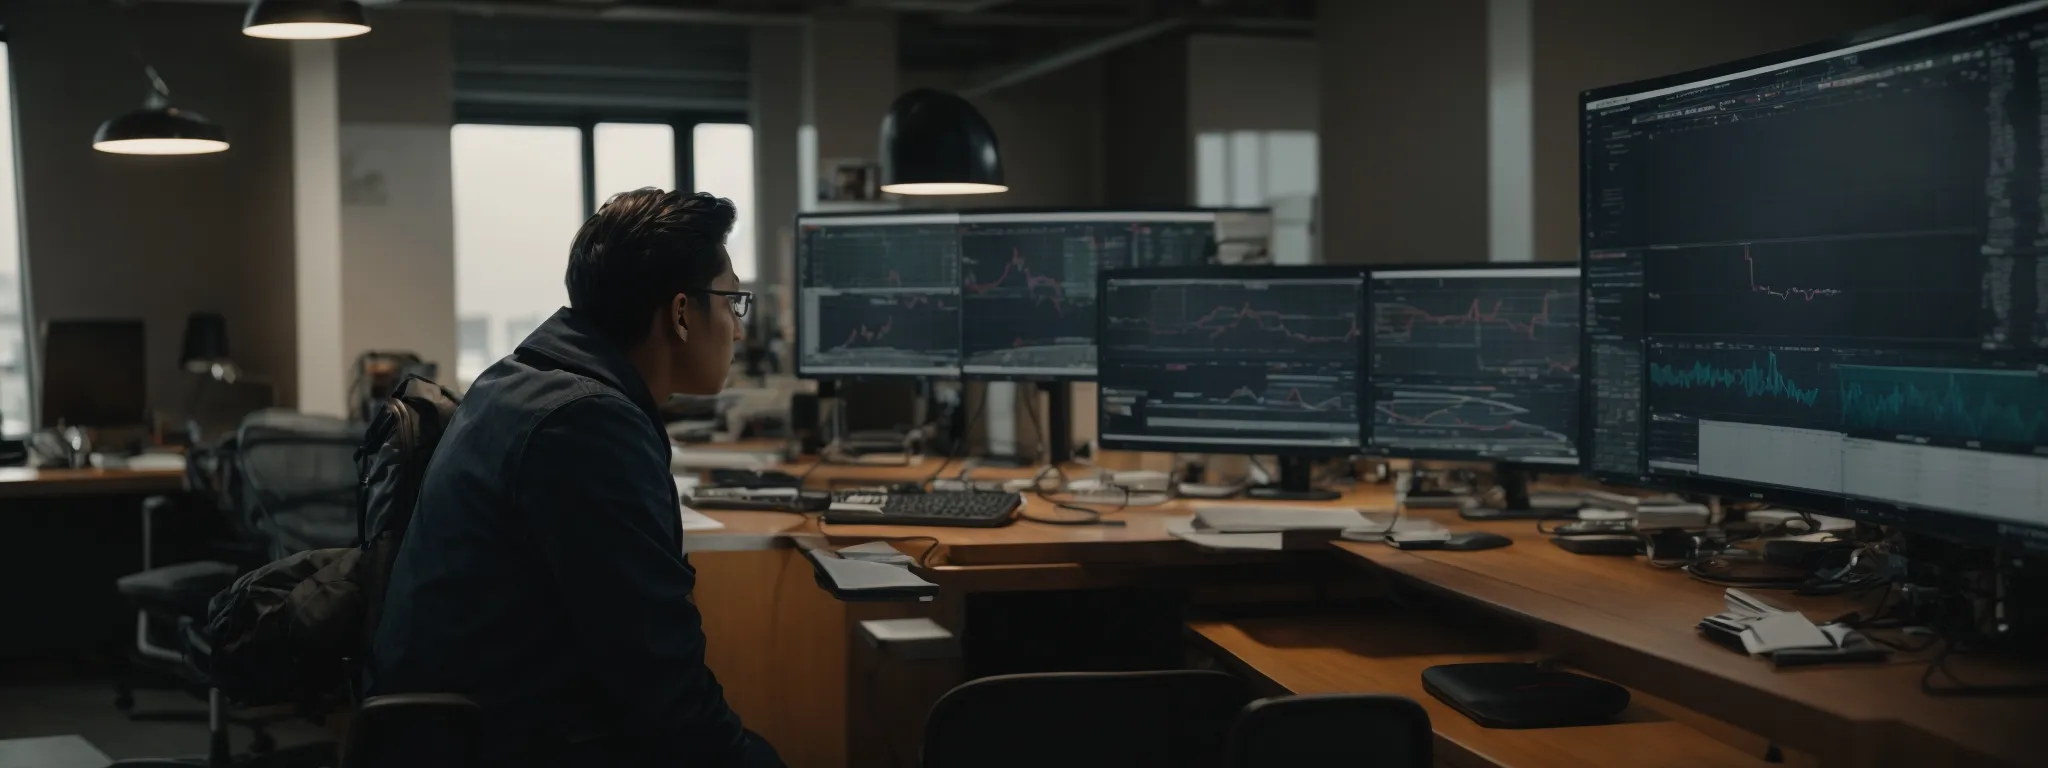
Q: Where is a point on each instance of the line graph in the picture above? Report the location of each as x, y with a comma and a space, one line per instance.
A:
1956, 403
1525, 420
894, 256
1805, 294
1476, 327
1316, 318
914, 322
1770, 292
1784, 386
1028, 292
1764, 380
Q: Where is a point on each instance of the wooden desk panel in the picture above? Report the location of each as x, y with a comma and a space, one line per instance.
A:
21, 483
1386, 653
1634, 624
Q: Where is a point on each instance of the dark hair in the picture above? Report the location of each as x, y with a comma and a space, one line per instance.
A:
642, 248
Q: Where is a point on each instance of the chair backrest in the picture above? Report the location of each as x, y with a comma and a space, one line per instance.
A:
1081, 719
295, 480
413, 730
1336, 729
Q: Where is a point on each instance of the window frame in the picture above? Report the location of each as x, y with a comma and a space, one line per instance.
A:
31, 347
682, 123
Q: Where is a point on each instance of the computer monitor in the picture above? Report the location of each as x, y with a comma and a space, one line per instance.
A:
1814, 278
878, 295
1476, 363
1028, 282
1256, 360
95, 374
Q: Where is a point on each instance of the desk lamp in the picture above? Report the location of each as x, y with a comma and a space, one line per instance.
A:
205, 353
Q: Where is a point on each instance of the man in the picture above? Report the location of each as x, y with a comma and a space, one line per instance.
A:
543, 574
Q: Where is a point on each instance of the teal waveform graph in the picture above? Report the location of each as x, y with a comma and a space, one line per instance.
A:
1959, 403
1755, 381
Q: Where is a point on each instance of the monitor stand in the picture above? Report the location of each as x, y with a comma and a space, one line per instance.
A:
1297, 481
1514, 485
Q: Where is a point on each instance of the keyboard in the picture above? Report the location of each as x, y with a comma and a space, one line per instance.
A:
959, 509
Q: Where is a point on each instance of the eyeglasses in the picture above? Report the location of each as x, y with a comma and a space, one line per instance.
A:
742, 301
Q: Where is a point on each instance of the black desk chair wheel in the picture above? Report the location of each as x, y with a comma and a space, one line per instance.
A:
1336, 729
1174, 718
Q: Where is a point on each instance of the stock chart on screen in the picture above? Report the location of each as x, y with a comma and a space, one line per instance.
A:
1476, 363
1028, 281
1228, 357
1821, 282
879, 295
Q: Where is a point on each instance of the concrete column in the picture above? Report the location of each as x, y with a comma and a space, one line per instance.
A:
316, 215
778, 109
397, 192
1510, 137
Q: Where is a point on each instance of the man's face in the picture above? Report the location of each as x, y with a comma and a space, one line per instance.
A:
703, 360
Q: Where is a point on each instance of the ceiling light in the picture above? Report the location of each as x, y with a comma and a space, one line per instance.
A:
159, 128
304, 19
935, 143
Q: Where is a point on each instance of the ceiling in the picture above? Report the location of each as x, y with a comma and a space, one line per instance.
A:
936, 34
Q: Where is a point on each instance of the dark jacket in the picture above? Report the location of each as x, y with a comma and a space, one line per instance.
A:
544, 575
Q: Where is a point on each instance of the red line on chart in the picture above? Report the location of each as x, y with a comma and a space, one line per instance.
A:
1783, 293
1237, 317
862, 333
1471, 316
1016, 265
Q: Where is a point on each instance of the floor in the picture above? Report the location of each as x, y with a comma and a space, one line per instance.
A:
86, 708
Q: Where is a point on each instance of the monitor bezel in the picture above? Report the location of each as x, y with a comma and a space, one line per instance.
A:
1542, 467
1941, 522
1245, 272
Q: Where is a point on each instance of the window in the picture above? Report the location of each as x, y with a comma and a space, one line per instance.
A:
518, 201
629, 156
1259, 169
722, 155
16, 410
521, 191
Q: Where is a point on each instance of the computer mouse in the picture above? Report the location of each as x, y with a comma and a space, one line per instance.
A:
1473, 541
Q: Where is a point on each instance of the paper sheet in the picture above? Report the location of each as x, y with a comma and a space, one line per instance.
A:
856, 575
1184, 529
694, 520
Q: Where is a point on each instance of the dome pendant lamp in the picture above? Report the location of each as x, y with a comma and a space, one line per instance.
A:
304, 19
159, 128
935, 143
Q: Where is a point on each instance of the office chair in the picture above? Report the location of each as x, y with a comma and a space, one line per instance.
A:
1333, 729
1084, 719
413, 730
286, 482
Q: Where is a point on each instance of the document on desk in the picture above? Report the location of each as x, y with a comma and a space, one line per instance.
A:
1766, 628
1185, 530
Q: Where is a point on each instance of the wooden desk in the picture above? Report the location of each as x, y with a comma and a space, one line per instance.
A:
1385, 652
20, 483
1633, 624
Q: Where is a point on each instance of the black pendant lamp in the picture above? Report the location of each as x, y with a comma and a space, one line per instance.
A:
304, 19
935, 143
159, 128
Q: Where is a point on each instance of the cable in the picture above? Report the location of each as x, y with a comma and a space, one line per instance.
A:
1960, 688
960, 441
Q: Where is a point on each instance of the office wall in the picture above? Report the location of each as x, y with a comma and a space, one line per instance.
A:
1403, 130
1583, 44
1145, 142
157, 238
1050, 131
1244, 83
398, 209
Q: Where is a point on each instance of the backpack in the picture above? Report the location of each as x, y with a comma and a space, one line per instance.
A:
298, 630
